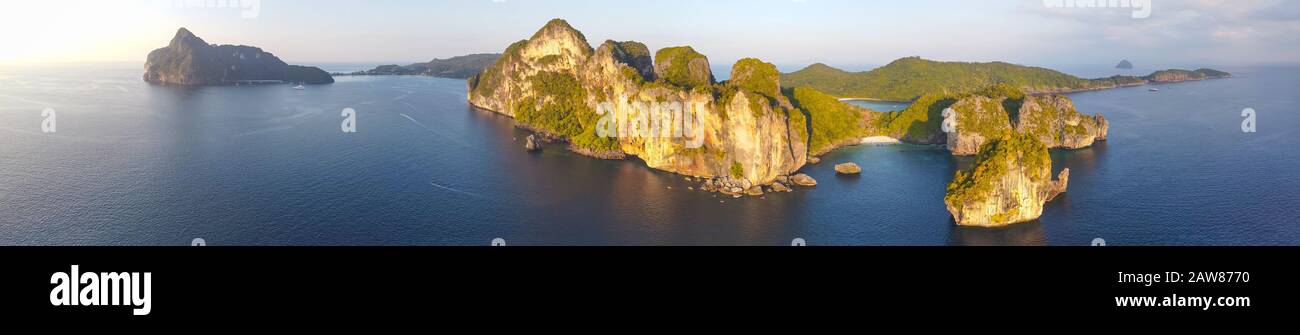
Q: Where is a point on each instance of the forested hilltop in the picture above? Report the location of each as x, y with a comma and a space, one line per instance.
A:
909, 78
459, 67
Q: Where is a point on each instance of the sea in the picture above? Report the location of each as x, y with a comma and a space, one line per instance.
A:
92, 155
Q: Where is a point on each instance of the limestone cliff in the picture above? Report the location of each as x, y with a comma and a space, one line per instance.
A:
1052, 119
979, 119
1008, 183
615, 100
189, 60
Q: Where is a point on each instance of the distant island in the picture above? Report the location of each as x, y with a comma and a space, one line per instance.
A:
908, 78
1124, 64
190, 61
459, 67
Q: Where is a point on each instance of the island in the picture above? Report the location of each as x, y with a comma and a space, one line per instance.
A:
1008, 183
190, 61
990, 113
1124, 65
909, 78
752, 134
459, 67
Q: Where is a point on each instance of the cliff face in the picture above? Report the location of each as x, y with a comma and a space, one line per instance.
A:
614, 100
189, 60
1052, 119
1055, 122
979, 119
1009, 182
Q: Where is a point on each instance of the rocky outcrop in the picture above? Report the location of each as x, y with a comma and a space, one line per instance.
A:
533, 143
978, 119
669, 113
188, 60
683, 66
803, 180
1124, 65
849, 168
1009, 182
1052, 119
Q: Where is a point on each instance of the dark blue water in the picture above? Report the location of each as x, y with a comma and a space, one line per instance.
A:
136, 164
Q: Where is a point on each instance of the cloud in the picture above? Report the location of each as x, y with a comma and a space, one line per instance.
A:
1229, 31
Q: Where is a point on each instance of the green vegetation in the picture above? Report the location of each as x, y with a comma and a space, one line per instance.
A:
922, 121
1119, 81
487, 82
455, 67
1211, 73
995, 160
548, 60
797, 120
683, 67
982, 115
909, 78
559, 25
737, 171
559, 108
724, 95
635, 58
833, 121
756, 76
1181, 75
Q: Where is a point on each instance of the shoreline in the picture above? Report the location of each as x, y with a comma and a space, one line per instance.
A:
1038, 93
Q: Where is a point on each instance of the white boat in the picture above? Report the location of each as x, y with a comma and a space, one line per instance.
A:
1153, 89
299, 87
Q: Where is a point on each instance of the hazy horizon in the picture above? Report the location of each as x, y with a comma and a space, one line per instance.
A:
849, 34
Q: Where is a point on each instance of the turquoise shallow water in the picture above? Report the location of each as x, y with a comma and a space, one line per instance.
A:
135, 164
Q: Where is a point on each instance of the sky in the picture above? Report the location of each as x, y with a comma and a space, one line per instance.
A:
790, 33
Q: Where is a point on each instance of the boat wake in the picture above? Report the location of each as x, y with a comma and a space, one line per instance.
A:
472, 194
